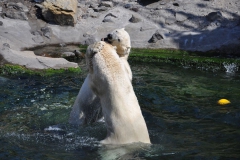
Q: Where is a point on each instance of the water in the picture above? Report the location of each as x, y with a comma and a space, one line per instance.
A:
230, 67
179, 106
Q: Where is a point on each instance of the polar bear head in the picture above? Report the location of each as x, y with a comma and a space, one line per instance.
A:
121, 39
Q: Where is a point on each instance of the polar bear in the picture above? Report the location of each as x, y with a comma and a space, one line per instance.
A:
87, 108
109, 80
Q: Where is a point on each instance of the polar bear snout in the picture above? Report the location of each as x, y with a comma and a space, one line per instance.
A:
109, 36
108, 39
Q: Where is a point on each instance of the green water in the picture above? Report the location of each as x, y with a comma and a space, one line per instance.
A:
179, 105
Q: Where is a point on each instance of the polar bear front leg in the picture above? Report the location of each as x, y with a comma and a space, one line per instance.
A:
87, 107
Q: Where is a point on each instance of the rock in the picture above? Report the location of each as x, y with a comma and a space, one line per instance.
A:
156, 37
38, 39
1, 23
213, 16
106, 4
6, 45
94, 15
109, 18
128, 6
0, 9
38, 1
39, 6
68, 55
134, 19
78, 54
46, 32
110, 14
29, 60
16, 15
18, 6
100, 9
176, 4
135, 9
60, 12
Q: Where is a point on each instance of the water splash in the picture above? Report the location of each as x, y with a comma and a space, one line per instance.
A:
230, 67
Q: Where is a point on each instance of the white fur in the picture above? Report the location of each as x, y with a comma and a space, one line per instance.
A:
110, 82
86, 108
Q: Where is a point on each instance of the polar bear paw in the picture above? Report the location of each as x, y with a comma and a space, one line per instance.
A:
97, 47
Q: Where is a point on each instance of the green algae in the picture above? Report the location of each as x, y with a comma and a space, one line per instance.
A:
184, 58
9, 69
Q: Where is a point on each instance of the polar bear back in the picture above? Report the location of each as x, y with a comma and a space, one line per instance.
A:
121, 110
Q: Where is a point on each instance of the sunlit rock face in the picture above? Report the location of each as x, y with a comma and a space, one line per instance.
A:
60, 12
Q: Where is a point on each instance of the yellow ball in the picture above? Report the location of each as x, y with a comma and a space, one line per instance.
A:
223, 101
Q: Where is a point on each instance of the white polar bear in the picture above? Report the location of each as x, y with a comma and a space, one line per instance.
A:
109, 80
87, 108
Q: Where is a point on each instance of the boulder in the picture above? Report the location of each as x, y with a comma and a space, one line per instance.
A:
60, 12
16, 15
213, 16
18, 6
134, 19
106, 4
68, 55
46, 32
109, 18
156, 37
29, 60
16, 11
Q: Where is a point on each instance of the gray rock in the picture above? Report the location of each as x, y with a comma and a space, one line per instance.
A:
6, 45
46, 32
1, 23
38, 39
213, 16
29, 60
94, 15
176, 4
134, 19
155, 37
18, 6
39, 6
16, 15
100, 9
68, 55
85, 16
38, 1
109, 18
0, 9
106, 4
128, 6
78, 54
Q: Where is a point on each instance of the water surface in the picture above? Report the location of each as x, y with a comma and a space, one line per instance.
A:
179, 105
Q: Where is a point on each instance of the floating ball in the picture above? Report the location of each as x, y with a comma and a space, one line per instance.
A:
223, 102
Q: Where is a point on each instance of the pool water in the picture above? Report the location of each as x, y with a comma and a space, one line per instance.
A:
179, 105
